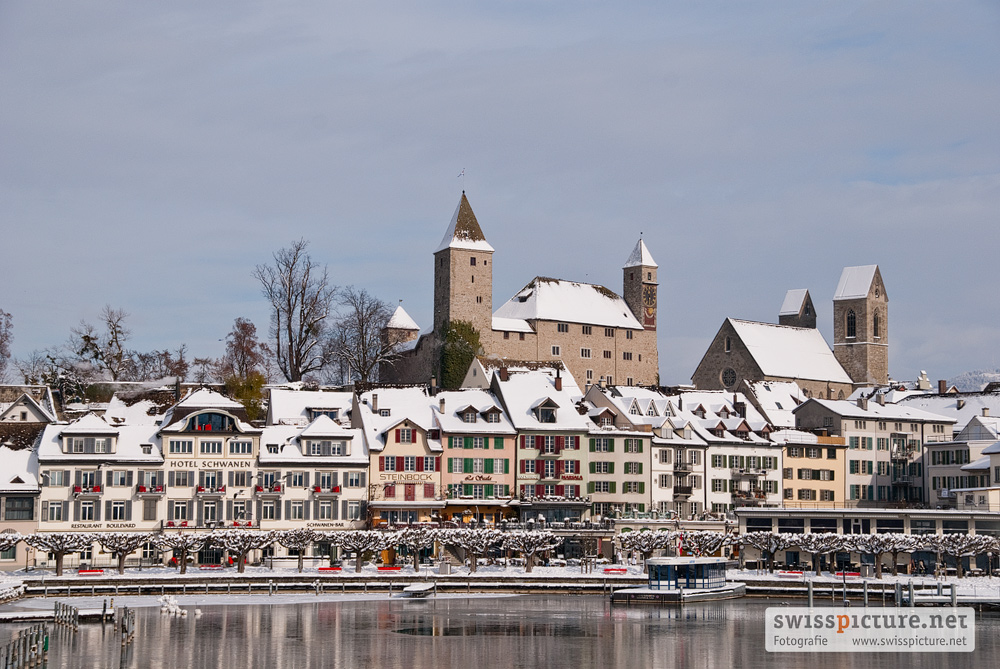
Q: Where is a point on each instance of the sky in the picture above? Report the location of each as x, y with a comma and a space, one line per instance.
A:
152, 154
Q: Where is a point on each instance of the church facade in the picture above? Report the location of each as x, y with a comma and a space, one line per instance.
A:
597, 334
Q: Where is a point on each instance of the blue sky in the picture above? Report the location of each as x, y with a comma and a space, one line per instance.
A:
152, 153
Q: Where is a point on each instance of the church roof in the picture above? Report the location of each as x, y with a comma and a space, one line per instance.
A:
788, 352
401, 320
855, 282
793, 302
640, 256
557, 300
464, 231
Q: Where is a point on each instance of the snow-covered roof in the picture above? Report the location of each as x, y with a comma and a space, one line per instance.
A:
972, 404
511, 325
89, 424
790, 352
292, 407
401, 320
523, 391
568, 301
143, 412
992, 448
324, 426
640, 256
981, 464
18, 470
464, 232
776, 399
479, 400
876, 411
203, 398
288, 439
792, 303
855, 282
128, 445
401, 404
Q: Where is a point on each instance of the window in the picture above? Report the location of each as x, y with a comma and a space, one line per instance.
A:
430, 463
55, 511
590, 375
813, 452
298, 479
607, 355
633, 445
562, 327
298, 511
609, 332
601, 486
626, 355
469, 417
406, 435
389, 464
665, 481
603, 468
633, 467
587, 329
500, 466
326, 448
86, 510
520, 335
384, 413
353, 510
548, 444
493, 417
852, 324
478, 442
458, 465
555, 350
529, 466
603, 445
472, 261
181, 479
118, 511
546, 415
506, 335
409, 463
149, 509
241, 447
55, 477
585, 353
177, 446
325, 511
634, 486
729, 344
267, 511
119, 477
876, 330
211, 447
429, 491
19, 508
549, 469
628, 334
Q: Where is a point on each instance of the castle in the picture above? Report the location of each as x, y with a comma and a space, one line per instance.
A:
598, 335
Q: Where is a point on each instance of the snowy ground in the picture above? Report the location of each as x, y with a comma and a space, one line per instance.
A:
977, 586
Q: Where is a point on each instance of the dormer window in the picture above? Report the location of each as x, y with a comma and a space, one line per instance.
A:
326, 448
634, 410
546, 415
272, 449
493, 417
651, 411
607, 421
469, 417
147, 449
384, 413
88, 444
211, 422
333, 414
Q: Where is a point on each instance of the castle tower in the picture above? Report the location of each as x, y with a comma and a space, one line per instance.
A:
463, 274
639, 285
797, 309
861, 325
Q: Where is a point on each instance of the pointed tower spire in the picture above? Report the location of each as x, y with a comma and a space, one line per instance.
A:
464, 232
641, 257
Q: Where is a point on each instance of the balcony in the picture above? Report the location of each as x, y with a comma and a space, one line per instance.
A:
87, 490
682, 491
682, 466
903, 480
321, 491
149, 490
737, 472
210, 491
267, 490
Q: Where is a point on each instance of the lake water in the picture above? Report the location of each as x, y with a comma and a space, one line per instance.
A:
553, 632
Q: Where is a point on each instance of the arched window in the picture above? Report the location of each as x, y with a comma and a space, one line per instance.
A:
852, 324
729, 344
875, 325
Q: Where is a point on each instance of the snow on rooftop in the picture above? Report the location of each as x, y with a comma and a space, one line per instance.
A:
569, 301
876, 411
792, 303
205, 398
127, 445
640, 256
292, 406
855, 282
464, 232
480, 400
401, 320
789, 352
972, 405
89, 424
17, 470
523, 391
511, 325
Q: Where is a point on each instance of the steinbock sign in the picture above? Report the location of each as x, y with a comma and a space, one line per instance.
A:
793, 629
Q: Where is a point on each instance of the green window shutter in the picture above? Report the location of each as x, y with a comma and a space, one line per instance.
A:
639, 442
488, 490
725, 485
498, 442
451, 442
488, 466
613, 487
467, 466
506, 466
642, 487
590, 486
640, 468
449, 466
611, 470
468, 442
611, 445
592, 448
593, 465
642, 508
467, 490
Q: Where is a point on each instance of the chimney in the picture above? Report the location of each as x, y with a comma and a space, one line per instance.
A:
504, 376
942, 386
177, 389
959, 404
881, 399
863, 403
441, 405
558, 380
374, 402
986, 411
434, 386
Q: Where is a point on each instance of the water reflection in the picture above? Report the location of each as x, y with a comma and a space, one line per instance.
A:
550, 632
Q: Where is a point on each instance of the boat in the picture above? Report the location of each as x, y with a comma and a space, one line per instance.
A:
418, 590
682, 579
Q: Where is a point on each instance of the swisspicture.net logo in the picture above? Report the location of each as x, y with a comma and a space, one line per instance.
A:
870, 630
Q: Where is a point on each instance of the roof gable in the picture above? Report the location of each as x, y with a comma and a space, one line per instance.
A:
568, 301
789, 352
855, 282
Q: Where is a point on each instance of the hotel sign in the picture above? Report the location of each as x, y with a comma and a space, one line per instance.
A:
211, 464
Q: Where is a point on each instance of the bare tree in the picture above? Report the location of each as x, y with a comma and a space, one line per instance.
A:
768, 543
241, 542
701, 543
297, 540
59, 544
244, 355
475, 543
360, 340
529, 544
35, 369
123, 544
182, 544
6, 337
818, 544
416, 539
645, 541
301, 299
359, 542
205, 370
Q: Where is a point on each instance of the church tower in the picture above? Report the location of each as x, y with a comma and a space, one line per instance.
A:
640, 285
861, 325
463, 275
797, 309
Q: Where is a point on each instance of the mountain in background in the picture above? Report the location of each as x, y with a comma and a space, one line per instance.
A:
975, 380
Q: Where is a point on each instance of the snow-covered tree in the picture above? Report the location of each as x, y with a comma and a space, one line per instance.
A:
59, 544
644, 541
416, 539
182, 544
298, 540
901, 543
768, 543
474, 542
958, 546
241, 542
9, 539
701, 543
123, 544
818, 544
876, 545
358, 542
529, 544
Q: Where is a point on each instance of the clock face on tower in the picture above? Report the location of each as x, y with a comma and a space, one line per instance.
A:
649, 307
649, 296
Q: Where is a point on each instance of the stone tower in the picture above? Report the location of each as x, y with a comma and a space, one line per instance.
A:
797, 309
463, 275
861, 325
639, 285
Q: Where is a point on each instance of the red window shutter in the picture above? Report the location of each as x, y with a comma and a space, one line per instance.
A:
522, 441
560, 441
559, 468
381, 463
522, 463
539, 442
420, 464
560, 490
540, 467
539, 490
437, 464
400, 463
397, 436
